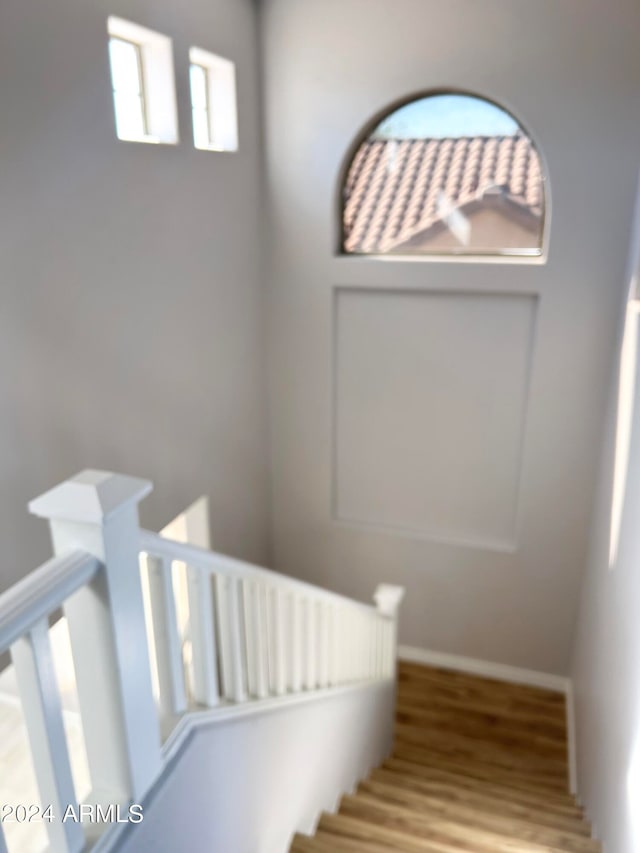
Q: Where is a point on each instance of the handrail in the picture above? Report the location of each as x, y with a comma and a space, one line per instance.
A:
199, 558
42, 592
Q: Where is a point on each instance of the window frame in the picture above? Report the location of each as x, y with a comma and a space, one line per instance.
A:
154, 52
207, 108
221, 101
527, 255
142, 91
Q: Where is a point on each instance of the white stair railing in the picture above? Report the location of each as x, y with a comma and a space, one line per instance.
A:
253, 636
255, 633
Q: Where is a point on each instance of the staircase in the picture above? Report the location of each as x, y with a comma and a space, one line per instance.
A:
169, 642
478, 765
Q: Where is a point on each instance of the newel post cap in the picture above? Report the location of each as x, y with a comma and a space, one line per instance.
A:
388, 598
90, 497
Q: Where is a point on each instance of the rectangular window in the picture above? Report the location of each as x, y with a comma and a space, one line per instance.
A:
213, 101
202, 135
142, 80
128, 89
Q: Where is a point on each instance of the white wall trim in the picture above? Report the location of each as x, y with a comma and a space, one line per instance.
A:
512, 674
571, 741
485, 668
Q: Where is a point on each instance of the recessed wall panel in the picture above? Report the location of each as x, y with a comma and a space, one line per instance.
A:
430, 407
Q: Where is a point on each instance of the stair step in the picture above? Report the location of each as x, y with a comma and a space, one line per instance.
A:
480, 798
489, 752
475, 686
456, 691
479, 766
559, 803
323, 842
470, 815
426, 707
479, 770
476, 722
435, 829
392, 839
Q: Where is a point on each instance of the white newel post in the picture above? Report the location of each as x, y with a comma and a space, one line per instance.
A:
97, 512
388, 599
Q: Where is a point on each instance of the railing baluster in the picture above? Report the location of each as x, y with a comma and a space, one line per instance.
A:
222, 623
279, 642
323, 651
342, 645
239, 693
338, 644
269, 637
169, 661
249, 630
388, 599
380, 647
42, 710
205, 687
390, 668
310, 644
331, 645
295, 619
354, 647
373, 621
317, 614
365, 647
349, 647
260, 642
230, 636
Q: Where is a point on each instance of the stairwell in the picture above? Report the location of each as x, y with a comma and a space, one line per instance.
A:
478, 765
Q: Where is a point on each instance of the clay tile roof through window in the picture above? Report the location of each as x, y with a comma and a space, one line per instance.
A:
394, 187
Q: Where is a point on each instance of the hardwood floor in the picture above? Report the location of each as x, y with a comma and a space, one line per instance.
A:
478, 765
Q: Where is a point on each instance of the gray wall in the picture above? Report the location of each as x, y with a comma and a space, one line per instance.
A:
131, 330
606, 660
505, 591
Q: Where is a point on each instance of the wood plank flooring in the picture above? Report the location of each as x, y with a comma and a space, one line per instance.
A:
478, 765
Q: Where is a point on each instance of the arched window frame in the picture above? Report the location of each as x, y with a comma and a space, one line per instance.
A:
536, 254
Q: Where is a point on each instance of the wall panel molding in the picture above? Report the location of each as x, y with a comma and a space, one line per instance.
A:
430, 401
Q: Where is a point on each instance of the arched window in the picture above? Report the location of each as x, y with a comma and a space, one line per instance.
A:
444, 174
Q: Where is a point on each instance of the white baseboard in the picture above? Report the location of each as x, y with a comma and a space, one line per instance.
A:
571, 741
485, 668
512, 674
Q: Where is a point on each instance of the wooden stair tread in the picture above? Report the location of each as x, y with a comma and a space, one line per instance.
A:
470, 815
474, 721
480, 770
476, 684
544, 760
436, 829
554, 723
323, 842
461, 776
363, 830
456, 794
478, 766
